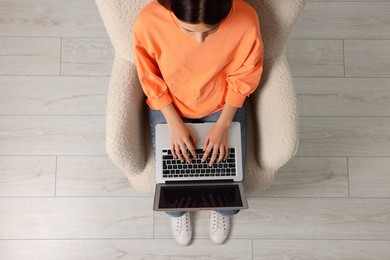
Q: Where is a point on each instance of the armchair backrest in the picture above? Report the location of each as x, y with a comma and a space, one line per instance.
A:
118, 18
277, 18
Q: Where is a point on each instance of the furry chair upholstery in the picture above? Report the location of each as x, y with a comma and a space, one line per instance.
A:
272, 109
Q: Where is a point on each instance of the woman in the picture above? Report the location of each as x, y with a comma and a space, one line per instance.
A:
197, 61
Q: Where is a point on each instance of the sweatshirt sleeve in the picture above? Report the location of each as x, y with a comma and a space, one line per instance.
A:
150, 76
244, 81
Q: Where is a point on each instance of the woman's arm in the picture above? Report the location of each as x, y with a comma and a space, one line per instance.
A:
158, 98
240, 84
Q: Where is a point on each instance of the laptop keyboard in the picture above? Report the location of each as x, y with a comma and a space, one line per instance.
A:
174, 168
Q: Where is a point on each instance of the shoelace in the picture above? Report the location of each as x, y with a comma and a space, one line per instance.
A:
219, 221
180, 222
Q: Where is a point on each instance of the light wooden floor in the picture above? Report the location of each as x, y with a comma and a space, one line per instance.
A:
61, 198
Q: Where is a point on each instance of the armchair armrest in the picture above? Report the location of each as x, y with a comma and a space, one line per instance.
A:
125, 119
275, 110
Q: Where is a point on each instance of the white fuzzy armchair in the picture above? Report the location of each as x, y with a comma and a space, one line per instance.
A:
272, 109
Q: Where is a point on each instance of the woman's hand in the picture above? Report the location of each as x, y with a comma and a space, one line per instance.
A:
181, 138
216, 141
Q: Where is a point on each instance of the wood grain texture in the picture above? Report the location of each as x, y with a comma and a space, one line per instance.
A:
343, 97
310, 177
308, 218
91, 176
86, 56
53, 95
348, 20
344, 136
132, 249
54, 18
29, 56
299, 218
369, 177
367, 58
320, 249
27, 176
52, 135
83, 218
315, 58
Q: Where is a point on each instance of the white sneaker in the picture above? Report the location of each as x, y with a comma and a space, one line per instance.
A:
181, 229
219, 227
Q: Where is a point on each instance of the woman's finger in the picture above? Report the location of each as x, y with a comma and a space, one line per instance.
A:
207, 151
214, 156
226, 153
178, 153
206, 143
183, 148
222, 152
173, 151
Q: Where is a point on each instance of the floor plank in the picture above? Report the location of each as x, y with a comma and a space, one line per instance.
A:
367, 58
299, 218
357, 20
310, 177
27, 176
320, 249
53, 95
29, 56
54, 18
124, 249
316, 58
343, 96
52, 135
306, 218
369, 177
86, 56
75, 218
91, 176
344, 136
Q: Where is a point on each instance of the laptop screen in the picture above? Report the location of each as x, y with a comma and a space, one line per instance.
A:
215, 196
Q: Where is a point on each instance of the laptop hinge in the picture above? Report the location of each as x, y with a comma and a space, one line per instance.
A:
200, 181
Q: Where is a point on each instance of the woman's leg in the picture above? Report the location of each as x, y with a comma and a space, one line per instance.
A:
155, 117
175, 214
227, 213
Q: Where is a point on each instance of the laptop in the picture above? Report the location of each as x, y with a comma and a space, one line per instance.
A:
197, 186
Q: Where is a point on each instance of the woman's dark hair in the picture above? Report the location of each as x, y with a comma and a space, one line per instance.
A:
210, 12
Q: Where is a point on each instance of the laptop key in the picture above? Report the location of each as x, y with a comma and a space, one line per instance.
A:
167, 157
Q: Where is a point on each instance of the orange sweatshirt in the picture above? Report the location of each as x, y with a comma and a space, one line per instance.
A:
199, 79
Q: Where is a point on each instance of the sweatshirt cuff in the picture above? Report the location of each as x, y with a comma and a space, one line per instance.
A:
159, 102
235, 99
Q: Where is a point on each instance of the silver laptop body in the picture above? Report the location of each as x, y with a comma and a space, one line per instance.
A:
210, 181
